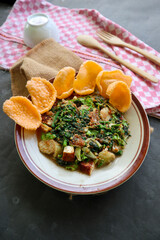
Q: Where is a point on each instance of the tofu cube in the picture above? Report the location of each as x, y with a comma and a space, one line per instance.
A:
68, 154
87, 167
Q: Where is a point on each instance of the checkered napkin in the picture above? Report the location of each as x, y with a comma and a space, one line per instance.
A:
71, 23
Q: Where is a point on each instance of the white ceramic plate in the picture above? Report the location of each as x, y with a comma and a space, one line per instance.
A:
102, 179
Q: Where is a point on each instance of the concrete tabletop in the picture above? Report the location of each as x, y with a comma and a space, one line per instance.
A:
31, 210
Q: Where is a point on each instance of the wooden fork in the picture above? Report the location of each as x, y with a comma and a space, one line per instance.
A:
114, 40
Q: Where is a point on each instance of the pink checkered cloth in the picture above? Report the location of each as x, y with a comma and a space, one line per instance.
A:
71, 23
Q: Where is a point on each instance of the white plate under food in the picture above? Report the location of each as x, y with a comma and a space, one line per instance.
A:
102, 179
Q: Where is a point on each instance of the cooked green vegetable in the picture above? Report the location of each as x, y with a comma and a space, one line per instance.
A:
48, 136
88, 153
78, 153
78, 122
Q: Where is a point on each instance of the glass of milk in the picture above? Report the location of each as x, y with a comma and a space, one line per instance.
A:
39, 27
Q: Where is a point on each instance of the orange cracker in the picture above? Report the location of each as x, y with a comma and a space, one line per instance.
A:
63, 82
23, 112
119, 95
42, 92
86, 78
104, 78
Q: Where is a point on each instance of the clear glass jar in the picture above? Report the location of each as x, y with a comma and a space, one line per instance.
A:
39, 27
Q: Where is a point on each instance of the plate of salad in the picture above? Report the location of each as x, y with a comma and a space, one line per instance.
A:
85, 145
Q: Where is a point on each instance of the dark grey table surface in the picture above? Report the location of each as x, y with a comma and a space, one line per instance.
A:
31, 210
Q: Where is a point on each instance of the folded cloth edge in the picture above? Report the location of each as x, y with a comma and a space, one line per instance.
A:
48, 53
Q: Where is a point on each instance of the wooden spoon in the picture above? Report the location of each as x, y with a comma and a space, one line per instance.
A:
90, 42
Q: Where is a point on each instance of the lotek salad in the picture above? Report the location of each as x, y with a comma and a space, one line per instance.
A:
83, 133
